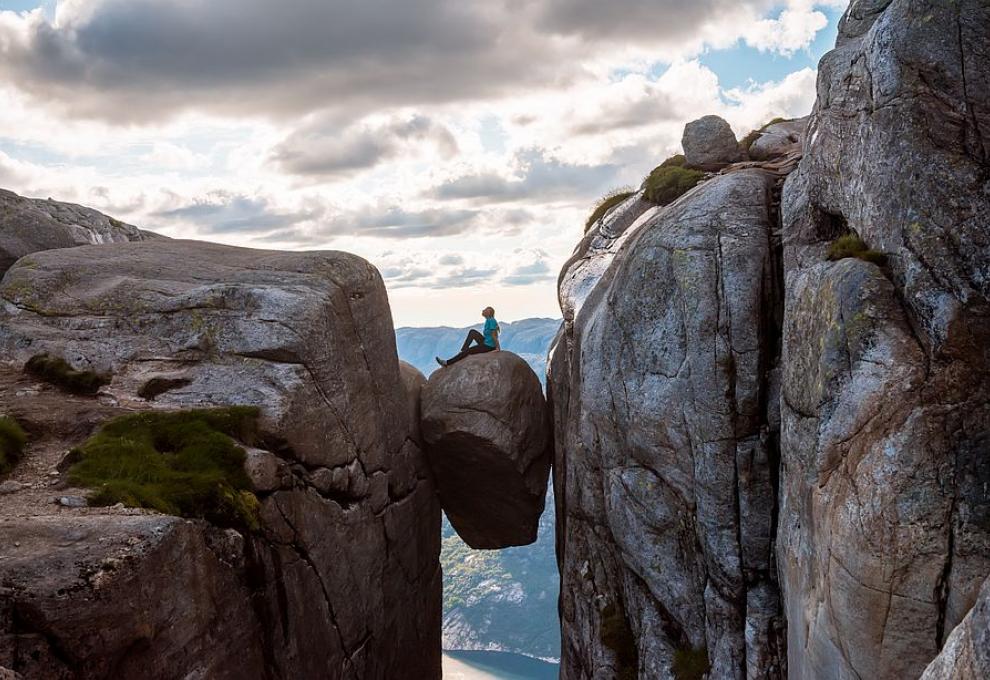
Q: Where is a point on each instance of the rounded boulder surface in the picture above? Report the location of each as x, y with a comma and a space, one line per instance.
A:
487, 431
710, 144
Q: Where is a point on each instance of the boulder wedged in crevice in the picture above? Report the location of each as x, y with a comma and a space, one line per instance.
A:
486, 429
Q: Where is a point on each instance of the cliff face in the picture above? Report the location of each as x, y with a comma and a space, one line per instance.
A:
341, 578
885, 530
665, 445
772, 458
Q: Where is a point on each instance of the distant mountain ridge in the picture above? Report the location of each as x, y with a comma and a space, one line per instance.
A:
529, 338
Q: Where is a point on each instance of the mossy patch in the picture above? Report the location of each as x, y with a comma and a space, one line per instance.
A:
748, 140
852, 245
12, 443
58, 372
183, 463
617, 635
667, 183
691, 664
607, 203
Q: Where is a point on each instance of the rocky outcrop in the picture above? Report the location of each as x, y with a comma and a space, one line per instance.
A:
342, 579
885, 522
665, 442
714, 388
966, 655
709, 144
779, 139
487, 432
30, 225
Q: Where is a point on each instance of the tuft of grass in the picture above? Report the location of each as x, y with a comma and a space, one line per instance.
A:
852, 245
159, 386
691, 664
667, 183
607, 202
183, 463
617, 635
12, 443
58, 372
748, 140
676, 161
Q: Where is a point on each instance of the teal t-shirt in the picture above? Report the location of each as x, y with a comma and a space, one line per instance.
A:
491, 325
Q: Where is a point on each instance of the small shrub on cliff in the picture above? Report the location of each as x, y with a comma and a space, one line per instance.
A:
676, 161
608, 202
851, 245
748, 140
181, 463
58, 372
616, 634
690, 664
667, 183
12, 443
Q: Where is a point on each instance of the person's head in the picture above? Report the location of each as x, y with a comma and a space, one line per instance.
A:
488, 312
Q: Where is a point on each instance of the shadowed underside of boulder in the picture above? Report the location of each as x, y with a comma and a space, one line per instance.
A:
487, 432
341, 581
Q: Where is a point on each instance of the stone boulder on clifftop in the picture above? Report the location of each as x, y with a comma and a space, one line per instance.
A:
487, 432
709, 144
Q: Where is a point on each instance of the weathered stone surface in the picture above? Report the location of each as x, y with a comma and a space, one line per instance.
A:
779, 140
664, 450
884, 535
966, 655
487, 432
342, 580
709, 143
29, 225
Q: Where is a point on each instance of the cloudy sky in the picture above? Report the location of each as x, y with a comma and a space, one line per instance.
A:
457, 144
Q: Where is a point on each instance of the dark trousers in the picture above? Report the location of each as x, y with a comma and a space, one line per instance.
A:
473, 337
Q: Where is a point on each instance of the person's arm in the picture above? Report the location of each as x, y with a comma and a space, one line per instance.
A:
496, 333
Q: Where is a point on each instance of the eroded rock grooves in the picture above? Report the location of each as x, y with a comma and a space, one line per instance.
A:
341, 581
715, 363
666, 438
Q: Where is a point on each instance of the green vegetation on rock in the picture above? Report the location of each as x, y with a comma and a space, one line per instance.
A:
852, 245
617, 635
607, 202
12, 442
691, 664
669, 181
58, 372
183, 463
748, 140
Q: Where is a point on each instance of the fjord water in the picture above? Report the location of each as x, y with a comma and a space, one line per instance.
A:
480, 665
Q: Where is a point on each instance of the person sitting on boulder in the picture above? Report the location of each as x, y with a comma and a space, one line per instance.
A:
487, 342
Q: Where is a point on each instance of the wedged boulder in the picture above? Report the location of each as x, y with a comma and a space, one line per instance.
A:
30, 225
665, 443
884, 538
487, 432
346, 558
779, 139
966, 654
710, 144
